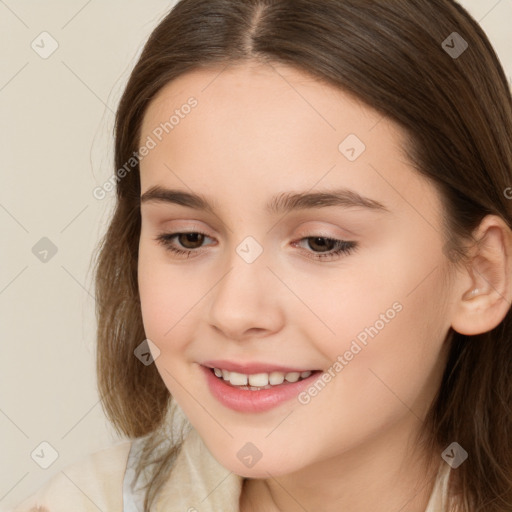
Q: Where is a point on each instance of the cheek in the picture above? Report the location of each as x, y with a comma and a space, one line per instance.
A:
387, 324
394, 292
164, 298
388, 379
166, 313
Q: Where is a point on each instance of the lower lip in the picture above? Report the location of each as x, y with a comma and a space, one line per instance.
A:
245, 400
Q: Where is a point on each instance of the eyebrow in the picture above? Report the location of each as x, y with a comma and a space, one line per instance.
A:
282, 203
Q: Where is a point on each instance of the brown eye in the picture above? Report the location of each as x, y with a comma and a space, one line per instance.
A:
321, 247
188, 240
321, 243
182, 244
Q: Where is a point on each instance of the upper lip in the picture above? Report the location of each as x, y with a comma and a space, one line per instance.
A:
251, 368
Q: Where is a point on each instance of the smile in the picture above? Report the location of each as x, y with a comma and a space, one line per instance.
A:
256, 392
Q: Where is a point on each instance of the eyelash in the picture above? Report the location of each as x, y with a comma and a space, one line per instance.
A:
343, 246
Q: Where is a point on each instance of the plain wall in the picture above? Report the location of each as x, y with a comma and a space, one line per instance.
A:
56, 131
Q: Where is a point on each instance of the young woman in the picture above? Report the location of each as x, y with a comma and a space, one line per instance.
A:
304, 292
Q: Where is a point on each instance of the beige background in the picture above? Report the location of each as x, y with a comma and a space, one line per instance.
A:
57, 119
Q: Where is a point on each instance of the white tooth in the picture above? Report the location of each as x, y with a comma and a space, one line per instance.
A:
217, 372
258, 380
225, 374
238, 379
276, 378
305, 375
292, 376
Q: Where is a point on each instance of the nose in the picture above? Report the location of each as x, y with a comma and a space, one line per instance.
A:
247, 301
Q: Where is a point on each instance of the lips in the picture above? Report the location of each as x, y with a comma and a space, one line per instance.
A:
249, 399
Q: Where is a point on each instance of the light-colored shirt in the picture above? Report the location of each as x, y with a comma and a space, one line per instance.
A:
197, 483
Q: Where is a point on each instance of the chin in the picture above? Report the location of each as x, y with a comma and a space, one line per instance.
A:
261, 469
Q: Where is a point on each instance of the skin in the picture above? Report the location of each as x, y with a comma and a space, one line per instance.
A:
259, 130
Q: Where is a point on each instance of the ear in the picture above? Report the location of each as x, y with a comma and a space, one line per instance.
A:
486, 288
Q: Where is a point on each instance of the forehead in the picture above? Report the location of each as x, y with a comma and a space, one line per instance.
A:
252, 89
264, 113
261, 128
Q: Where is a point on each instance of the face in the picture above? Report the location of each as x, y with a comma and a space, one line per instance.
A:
350, 286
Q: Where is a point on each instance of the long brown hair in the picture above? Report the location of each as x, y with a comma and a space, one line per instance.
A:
457, 112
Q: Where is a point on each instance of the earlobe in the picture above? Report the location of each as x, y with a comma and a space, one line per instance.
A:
484, 304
